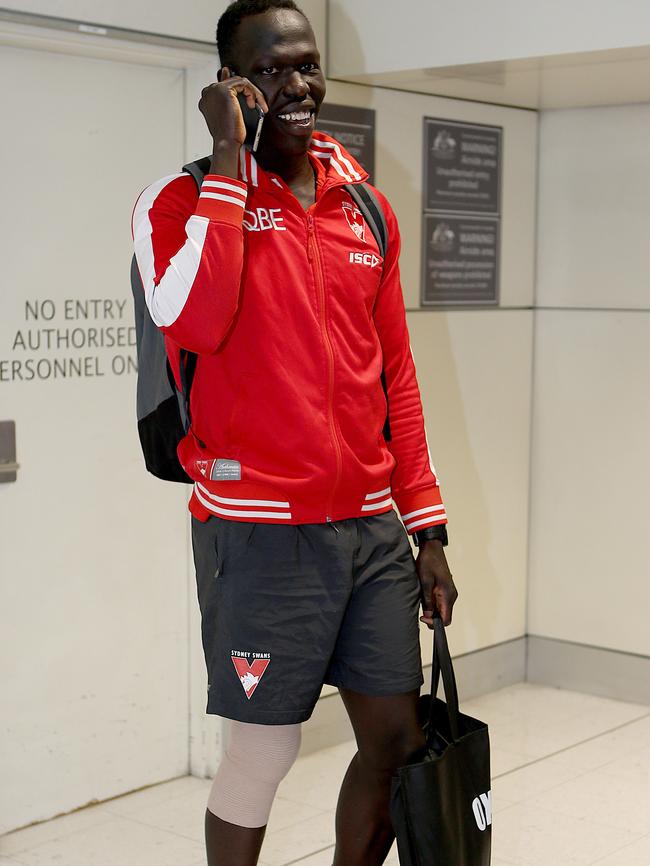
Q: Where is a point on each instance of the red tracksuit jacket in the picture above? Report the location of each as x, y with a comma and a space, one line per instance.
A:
293, 314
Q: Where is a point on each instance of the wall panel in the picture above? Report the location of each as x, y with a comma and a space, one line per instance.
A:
195, 21
589, 541
594, 190
474, 370
419, 34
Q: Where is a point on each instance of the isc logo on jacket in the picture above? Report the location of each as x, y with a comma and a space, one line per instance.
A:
368, 259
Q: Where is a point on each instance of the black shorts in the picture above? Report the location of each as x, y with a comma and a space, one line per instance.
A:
286, 608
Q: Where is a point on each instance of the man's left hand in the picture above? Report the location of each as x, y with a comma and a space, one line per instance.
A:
438, 590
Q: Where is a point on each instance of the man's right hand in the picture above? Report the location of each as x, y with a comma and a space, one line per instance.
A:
220, 107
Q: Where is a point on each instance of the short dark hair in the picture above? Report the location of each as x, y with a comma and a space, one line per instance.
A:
233, 16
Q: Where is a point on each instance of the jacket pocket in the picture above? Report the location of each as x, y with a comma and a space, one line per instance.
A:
219, 547
233, 540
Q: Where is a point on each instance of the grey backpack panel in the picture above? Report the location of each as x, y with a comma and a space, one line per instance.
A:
153, 389
162, 408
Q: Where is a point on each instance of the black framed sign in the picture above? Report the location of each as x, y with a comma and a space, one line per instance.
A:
461, 212
354, 128
461, 258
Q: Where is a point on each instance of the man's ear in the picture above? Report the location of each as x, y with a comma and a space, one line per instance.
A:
223, 74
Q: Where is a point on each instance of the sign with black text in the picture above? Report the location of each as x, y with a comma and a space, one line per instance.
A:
461, 258
461, 193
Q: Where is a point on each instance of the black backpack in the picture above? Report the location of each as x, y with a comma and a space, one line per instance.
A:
165, 371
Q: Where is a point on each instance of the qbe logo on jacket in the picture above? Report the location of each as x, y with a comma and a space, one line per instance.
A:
368, 259
264, 219
482, 808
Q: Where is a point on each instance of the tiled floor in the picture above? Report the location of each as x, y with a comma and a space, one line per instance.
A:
571, 785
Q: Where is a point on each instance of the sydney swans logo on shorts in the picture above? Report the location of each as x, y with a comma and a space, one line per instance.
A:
250, 673
355, 219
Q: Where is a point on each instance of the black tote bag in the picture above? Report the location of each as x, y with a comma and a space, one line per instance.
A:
441, 805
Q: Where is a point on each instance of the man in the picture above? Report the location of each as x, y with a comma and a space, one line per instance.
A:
304, 571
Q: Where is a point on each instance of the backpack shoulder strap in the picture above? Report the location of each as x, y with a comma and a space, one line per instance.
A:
373, 214
198, 169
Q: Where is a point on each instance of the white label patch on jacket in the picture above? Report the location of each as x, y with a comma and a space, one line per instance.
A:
368, 259
226, 470
355, 219
263, 220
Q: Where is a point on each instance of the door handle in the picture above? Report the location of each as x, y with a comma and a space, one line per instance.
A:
8, 463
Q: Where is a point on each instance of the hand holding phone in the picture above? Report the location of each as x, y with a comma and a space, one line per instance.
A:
253, 121
226, 104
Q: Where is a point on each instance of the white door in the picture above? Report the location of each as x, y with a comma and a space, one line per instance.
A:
94, 615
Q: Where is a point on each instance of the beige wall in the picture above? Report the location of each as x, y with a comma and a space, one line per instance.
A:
589, 549
474, 367
419, 34
197, 20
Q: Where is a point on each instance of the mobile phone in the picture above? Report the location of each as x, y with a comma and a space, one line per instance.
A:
253, 121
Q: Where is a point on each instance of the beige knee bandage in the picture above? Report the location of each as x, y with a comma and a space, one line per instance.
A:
256, 760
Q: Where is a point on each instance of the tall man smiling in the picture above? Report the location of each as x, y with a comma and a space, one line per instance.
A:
304, 571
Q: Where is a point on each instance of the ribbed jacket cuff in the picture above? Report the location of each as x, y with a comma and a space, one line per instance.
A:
421, 509
223, 199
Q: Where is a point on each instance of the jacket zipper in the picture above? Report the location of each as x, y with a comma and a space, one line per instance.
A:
314, 258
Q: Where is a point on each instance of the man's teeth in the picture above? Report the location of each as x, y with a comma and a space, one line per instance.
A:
296, 115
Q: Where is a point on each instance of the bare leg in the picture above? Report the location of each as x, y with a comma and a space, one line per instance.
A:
230, 845
388, 734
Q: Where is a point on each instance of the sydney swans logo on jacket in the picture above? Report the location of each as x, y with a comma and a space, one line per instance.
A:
250, 673
355, 219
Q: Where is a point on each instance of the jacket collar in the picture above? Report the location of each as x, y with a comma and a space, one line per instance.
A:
334, 166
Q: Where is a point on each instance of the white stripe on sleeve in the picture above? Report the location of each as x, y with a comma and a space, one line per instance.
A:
166, 300
430, 509
412, 524
222, 184
426, 438
229, 198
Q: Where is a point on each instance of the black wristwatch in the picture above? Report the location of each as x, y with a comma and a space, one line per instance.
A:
439, 532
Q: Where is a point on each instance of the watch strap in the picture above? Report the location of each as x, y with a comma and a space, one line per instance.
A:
431, 532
